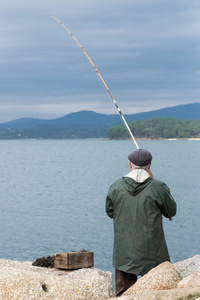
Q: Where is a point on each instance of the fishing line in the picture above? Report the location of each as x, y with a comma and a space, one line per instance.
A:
111, 96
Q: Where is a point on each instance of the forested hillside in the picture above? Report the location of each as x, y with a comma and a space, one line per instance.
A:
157, 128
171, 122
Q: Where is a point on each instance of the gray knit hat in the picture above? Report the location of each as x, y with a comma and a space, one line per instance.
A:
140, 157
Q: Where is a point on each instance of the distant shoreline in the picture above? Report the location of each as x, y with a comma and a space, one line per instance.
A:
102, 138
151, 139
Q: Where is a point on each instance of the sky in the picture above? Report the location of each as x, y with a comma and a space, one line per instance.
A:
147, 51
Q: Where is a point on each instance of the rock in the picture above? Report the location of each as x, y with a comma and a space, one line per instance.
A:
163, 277
174, 294
21, 280
188, 266
192, 280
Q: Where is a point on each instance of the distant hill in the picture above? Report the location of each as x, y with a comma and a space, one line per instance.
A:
86, 124
185, 111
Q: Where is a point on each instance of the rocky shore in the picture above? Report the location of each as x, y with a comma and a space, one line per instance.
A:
22, 280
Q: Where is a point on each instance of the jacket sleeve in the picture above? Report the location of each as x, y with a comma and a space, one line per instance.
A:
165, 201
109, 205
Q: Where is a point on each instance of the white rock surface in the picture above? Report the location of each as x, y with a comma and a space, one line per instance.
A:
192, 280
21, 280
174, 294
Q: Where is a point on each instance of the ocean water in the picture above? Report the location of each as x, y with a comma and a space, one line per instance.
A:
53, 195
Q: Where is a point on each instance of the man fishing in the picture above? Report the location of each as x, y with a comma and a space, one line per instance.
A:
136, 202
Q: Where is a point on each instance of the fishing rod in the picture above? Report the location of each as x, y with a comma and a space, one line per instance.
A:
115, 103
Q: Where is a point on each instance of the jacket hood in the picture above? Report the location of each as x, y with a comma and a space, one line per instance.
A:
133, 187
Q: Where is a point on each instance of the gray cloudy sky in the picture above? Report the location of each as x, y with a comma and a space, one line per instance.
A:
147, 51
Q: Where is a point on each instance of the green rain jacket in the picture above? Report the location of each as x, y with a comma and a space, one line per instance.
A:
137, 209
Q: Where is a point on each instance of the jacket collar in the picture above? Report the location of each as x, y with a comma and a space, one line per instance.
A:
138, 175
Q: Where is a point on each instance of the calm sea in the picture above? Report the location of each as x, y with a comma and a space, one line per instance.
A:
53, 196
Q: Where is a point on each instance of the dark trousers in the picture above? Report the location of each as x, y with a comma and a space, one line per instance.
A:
123, 281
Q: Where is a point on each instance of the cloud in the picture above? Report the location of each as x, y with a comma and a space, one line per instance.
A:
146, 50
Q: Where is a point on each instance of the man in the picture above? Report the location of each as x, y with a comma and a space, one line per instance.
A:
136, 202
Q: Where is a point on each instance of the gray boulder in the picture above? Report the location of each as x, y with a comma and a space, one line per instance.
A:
188, 266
